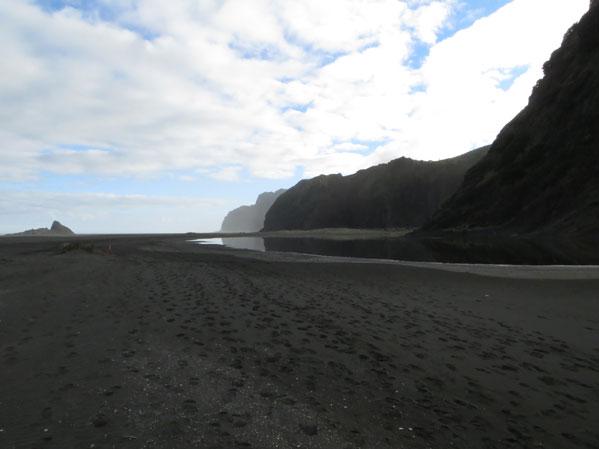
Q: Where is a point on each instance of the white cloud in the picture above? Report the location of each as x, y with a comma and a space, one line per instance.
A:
429, 20
187, 85
227, 174
464, 105
109, 213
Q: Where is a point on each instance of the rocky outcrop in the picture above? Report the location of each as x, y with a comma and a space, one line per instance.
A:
57, 229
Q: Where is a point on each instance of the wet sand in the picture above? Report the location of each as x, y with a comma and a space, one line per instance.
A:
165, 344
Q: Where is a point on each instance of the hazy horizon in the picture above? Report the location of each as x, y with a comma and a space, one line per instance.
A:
148, 116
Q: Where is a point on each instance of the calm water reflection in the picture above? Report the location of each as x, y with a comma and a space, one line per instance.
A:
483, 250
251, 243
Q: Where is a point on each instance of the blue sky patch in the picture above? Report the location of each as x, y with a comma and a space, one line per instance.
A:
420, 51
512, 75
261, 52
300, 107
370, 145
82, 148
469, 12
94, 11
323, 57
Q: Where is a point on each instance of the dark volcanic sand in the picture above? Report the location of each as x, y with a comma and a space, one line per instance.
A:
169, 345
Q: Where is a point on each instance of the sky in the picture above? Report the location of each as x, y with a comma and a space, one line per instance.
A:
153, 116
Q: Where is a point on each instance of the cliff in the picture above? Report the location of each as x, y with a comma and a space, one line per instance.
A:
541, 175
403, 193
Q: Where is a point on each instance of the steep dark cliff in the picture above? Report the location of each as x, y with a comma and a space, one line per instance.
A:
250, 218
542, 172
403, 193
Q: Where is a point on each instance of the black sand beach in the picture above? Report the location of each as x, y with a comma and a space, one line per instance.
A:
165, 344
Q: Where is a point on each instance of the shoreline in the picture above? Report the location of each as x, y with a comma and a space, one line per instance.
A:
555, 271
521, 271
512, 271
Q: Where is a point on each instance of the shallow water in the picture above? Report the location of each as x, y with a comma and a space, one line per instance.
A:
251, 243
481, 250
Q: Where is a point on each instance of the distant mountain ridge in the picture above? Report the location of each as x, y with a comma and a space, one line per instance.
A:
250, 218
403, 193
56, 229
542, 172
